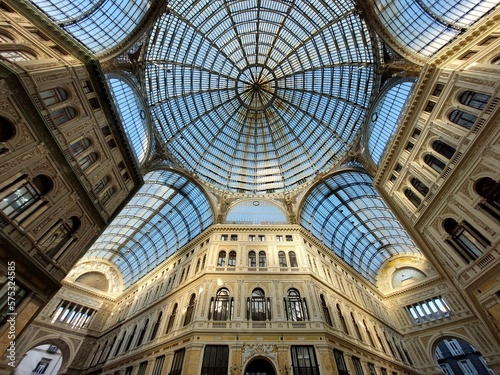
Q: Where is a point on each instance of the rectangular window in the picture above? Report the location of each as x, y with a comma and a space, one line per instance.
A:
42, 366
371, 369
356, 362
383, 371
429, 310
304, 360
262, 237
279, 238
429, 107
454, 347
215, 360
446, 369
224, 237
142, 368
340, 362
289, 238
438, 89
87, 87
177, 362
251, 237
158, 367
128, 370
234, 237
73, 314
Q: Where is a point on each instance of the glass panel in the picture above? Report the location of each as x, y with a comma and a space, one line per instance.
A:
425, 26
166, 213
259, 107
132, 114
385, 118
348, 215
98, 24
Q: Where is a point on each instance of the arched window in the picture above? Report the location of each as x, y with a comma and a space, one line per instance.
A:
22, 196
412, 197
197, 266
156, 327
293, 259
356, 327
130, 339
87, 160
474, 99
182, 275
171, 319
119, 346
110, 347
14, 55
101, 184
231, 261
282, 259
204, 261
221, 307
295, 308
59, 237
107, 195
142, 333
262, 259
434, 163
326, 311
463, 119
252, 261
369, 334
467, 241
63, 115
53, 96
420, 186
190, 310
444, 149
342, 319
5, 38
221, 261
489, 190
258, 308
80, 146
94, 356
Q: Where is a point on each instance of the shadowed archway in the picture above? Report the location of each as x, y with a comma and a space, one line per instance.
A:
259, 366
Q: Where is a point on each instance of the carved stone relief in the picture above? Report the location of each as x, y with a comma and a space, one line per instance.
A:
265, 350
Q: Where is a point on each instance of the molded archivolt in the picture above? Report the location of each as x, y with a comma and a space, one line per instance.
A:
347, 214
98, 24
168, 212
425, 26
259, 97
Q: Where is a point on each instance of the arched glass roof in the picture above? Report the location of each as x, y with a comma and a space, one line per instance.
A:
97, 24
347, 214
256, 212
425, 26
166, 213
385, 118
132, 114
259, 96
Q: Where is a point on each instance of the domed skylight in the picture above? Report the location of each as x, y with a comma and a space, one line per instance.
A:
258, 97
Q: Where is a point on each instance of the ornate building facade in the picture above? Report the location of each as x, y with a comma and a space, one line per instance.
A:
238, 187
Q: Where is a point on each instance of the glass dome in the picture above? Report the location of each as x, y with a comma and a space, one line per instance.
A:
255, 96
